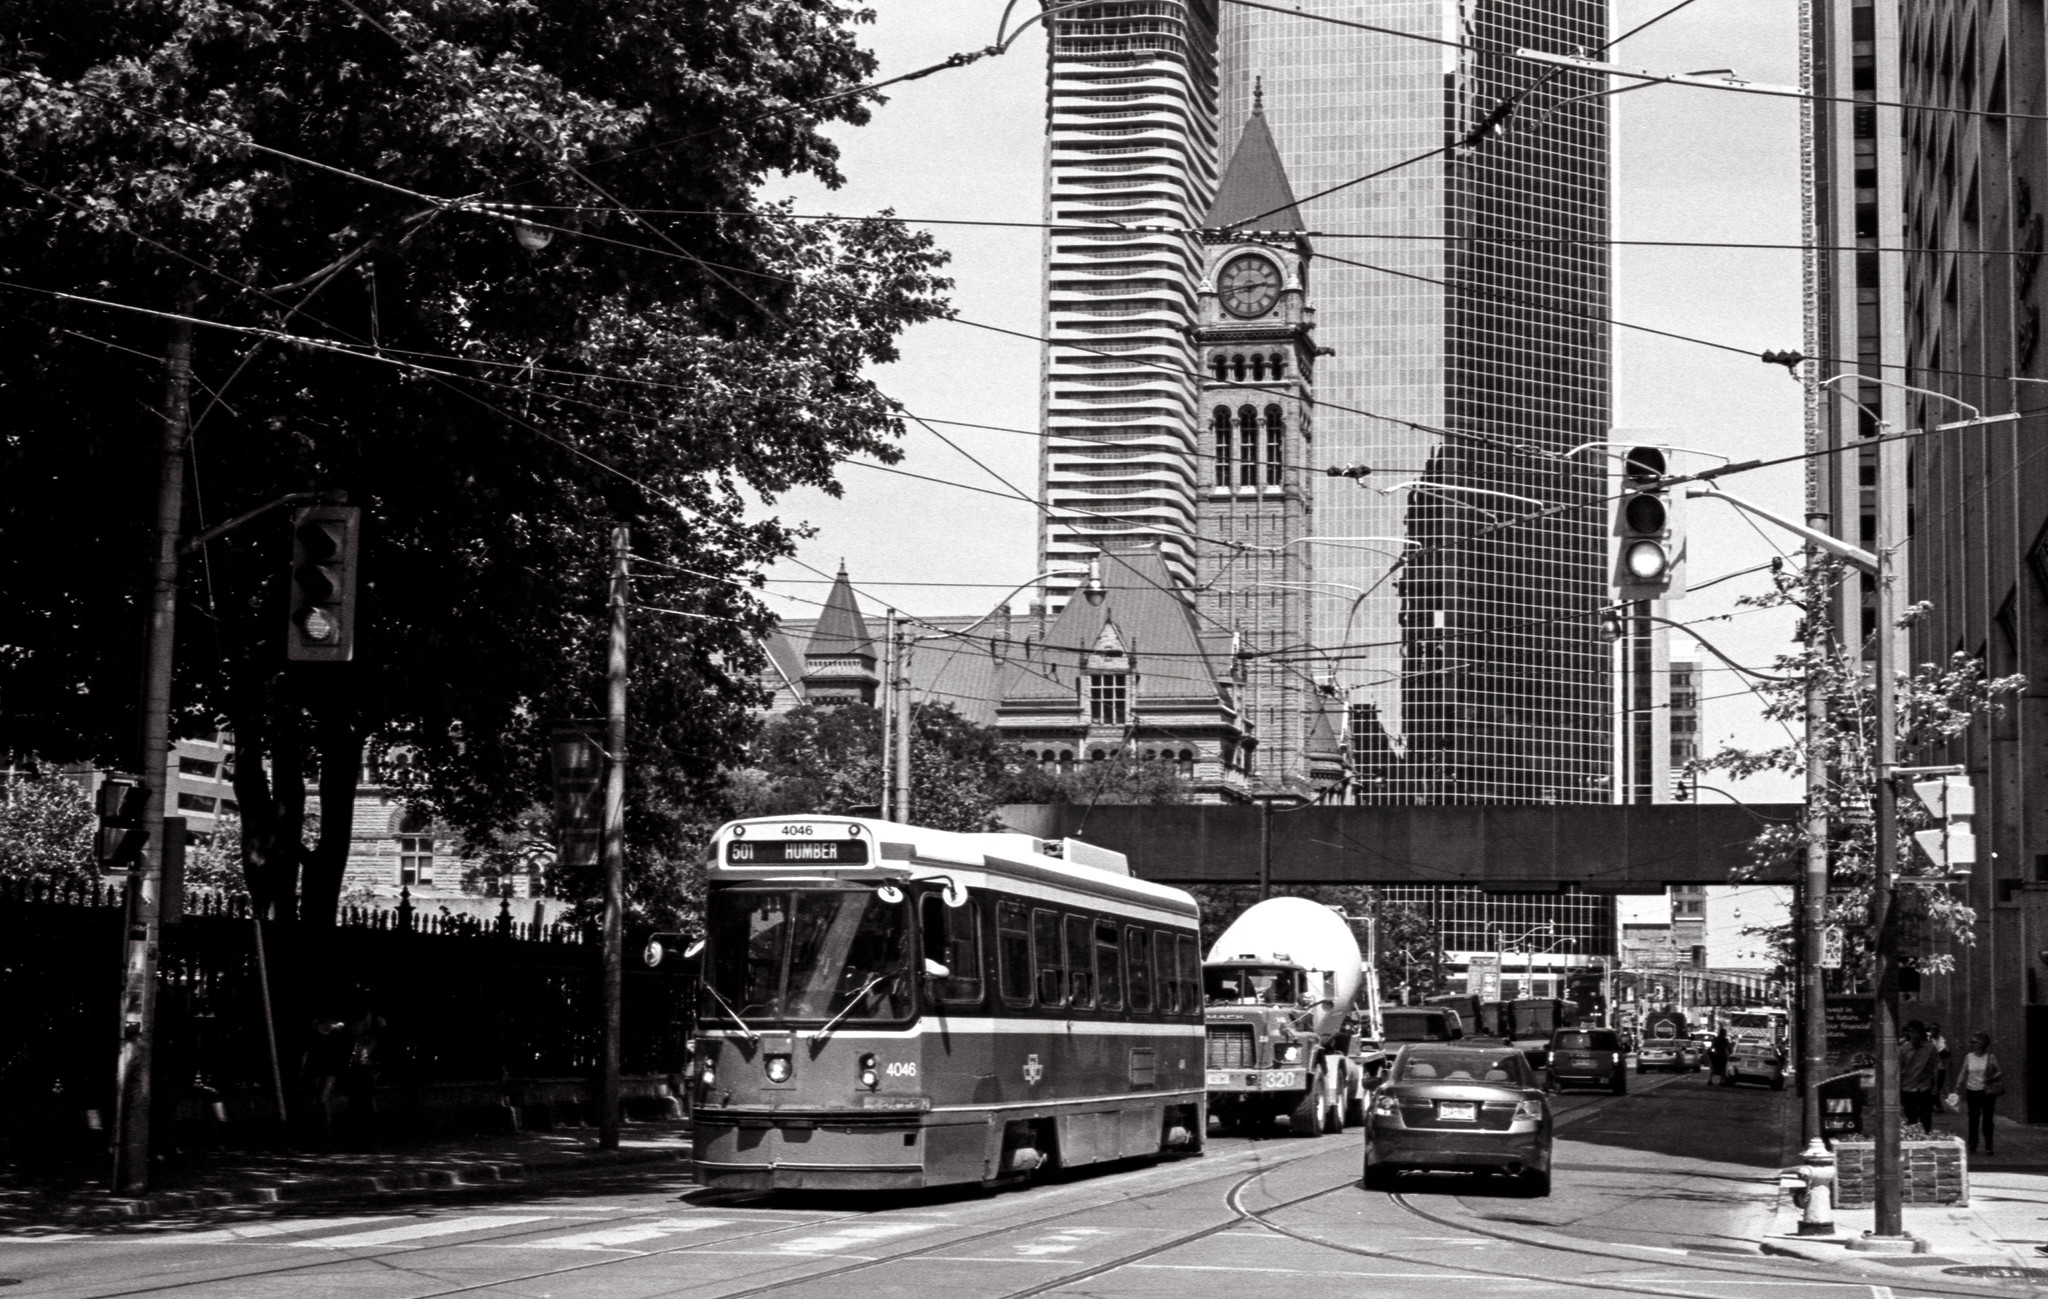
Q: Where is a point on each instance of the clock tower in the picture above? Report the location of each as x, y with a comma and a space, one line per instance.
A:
1254, 345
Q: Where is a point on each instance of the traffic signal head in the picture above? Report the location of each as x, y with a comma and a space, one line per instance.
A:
1952, 802
1649, 558
1790, 360
122, 799
323, 582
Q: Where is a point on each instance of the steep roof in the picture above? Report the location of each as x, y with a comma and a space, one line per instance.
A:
841, 631
1255, 184
1153, 620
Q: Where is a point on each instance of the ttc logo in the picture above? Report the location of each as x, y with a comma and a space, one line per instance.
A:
1033, 1070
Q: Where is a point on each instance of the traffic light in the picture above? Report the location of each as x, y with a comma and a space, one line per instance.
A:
121, 835
1790, 360
1952, 801
1649, 560
323, 625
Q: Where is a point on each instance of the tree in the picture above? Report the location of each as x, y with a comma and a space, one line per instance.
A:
47, 827
1122, 778
325, 188
1937, 702
828, 759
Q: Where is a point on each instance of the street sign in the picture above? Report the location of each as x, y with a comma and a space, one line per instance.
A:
1831, 948
577, 751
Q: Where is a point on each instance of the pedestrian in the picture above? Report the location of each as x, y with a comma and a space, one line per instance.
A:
1942, 1074
1917, 1066
1983, 1082
1717, 1058
322, 1067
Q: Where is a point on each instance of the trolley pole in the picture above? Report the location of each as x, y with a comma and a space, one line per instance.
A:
614, 842
902, 640
145, 883
888, 709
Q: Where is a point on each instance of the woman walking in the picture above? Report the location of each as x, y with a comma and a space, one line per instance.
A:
1983, 1082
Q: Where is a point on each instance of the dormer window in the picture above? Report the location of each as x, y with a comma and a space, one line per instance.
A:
1109, 701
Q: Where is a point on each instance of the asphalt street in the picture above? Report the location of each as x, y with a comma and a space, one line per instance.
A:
1660, 1192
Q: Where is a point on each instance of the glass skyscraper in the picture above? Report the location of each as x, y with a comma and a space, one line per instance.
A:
1455, 299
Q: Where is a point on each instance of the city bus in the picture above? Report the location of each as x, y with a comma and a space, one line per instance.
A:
890, 1007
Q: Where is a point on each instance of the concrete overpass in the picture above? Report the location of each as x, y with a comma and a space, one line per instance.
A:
1601, 847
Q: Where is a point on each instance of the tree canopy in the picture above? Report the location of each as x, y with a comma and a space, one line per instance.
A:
331, 189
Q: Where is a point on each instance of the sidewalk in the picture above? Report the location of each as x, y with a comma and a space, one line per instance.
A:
35, 1197
1993, 1236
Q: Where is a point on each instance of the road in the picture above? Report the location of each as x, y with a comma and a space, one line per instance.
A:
1661, 1192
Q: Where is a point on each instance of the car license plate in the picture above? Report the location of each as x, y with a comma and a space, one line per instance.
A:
1458, 1112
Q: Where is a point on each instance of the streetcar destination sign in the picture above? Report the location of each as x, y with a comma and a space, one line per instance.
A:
777, 852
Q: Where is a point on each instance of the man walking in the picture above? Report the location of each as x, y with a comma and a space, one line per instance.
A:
1918, 1066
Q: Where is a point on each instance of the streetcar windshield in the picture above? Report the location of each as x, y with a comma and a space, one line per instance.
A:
803, 954
1243, 985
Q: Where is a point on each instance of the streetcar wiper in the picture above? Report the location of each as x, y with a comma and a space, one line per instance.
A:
752, 1036
818, 1034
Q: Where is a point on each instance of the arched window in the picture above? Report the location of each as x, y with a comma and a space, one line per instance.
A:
1219, 365
1276, 429
1237, 367
1187, 762
1066, 759
1094, 755
1258, 368
1279, 365
1247, 447
1223, 446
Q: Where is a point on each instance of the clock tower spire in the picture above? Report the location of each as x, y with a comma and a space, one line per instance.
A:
1254, 343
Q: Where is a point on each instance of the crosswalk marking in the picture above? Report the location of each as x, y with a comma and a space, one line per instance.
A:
612, 1238
850, 1237
421, 1230
261, 1230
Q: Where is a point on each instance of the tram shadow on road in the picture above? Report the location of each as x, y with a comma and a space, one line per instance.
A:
954, 1193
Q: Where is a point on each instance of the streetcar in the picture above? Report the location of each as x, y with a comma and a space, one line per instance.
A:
890, 1007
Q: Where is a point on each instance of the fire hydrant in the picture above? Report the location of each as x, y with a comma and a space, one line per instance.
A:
1818, 1171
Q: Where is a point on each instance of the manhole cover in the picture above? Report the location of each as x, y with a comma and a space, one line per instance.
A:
1999, 1270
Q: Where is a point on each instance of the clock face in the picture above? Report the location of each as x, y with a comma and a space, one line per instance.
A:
1248, 286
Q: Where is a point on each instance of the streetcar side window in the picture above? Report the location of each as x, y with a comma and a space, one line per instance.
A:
1164, 972
1045, 951
1138, 957
1013, 952
1109, 965
1080, 963
1190, 973
952, 937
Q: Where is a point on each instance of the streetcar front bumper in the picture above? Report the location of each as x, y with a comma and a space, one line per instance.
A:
753, 1153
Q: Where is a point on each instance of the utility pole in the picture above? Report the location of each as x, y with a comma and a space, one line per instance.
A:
145, 883
614, 841
888, 702
1815, 892
902, 719
1891, 537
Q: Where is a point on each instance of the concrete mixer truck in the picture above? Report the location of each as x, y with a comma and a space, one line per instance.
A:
1293, 1020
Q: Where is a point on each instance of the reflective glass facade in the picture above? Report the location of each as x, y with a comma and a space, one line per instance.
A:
1479, 655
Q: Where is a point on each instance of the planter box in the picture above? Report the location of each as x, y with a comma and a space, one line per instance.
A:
1936, 1171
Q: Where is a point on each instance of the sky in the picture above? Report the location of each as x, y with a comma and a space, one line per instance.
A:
967, 144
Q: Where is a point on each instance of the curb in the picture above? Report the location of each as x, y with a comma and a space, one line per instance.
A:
478, 1176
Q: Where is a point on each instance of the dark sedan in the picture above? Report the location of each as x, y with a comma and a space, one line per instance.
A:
1459, 1107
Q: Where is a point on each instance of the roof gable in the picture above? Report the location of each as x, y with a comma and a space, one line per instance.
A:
841, 631
1144, 611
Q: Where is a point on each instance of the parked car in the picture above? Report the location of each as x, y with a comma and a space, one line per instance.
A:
1587, 1057
1421, 1024
1459, 1107
1665, 1044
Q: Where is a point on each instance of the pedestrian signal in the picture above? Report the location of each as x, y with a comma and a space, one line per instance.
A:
323, 623
1649, 560
1952, 843
122, 798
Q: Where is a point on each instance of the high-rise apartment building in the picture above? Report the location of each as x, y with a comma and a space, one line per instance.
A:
1464, 297
1938, 216
1131, 140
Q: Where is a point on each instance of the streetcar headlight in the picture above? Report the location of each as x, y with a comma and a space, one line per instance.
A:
778, 1068
868, 1077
